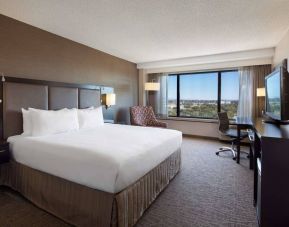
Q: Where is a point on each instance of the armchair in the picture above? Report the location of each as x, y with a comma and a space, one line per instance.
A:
144, 116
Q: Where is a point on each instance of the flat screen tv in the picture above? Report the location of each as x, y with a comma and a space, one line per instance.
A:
277, 99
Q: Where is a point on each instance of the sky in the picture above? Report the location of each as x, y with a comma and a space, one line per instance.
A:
204, 86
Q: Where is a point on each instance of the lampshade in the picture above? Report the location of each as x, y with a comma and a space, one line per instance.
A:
108, 99
152, 86
261, 92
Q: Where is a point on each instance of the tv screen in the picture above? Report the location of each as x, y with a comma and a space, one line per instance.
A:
273, 95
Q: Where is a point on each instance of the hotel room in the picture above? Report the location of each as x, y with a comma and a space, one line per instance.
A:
144, 113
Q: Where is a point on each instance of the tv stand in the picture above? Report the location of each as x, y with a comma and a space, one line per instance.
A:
271, 169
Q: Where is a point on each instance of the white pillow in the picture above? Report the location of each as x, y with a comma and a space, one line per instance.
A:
47, 122
90, 118
27, 125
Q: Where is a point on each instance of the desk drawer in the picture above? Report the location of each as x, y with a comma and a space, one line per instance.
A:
258, 205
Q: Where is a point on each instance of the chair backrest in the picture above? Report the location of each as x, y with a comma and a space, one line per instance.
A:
141, 115
224, 123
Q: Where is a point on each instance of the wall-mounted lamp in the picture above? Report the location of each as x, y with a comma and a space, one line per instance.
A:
261, 92
108, 99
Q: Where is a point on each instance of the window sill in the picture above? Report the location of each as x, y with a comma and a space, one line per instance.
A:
215, 121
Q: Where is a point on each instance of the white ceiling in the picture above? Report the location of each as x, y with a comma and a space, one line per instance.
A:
152, 30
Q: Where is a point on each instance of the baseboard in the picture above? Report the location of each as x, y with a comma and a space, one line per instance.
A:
213, 138
201, 137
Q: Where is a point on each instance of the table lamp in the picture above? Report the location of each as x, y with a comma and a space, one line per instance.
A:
151, 86
261, 92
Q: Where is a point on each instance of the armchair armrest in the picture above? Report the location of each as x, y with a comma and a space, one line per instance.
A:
159, 124
138, 124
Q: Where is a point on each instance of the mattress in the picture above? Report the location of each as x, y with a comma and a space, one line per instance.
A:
108, 158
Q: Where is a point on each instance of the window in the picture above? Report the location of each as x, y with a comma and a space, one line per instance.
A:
194, 102
203, 95
172, 95
230, 93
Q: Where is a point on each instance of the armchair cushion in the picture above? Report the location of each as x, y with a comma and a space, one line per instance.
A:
144, 116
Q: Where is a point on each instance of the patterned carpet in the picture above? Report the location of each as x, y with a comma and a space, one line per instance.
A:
209, 191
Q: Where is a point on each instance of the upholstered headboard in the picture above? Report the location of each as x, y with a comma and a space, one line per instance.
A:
18, 93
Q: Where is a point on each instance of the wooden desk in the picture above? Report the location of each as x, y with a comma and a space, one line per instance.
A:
271, 171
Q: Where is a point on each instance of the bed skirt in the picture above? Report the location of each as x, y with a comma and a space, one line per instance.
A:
83, 206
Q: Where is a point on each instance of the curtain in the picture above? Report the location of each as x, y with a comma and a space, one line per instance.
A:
245, 106
260, 72
158, 99
251, 78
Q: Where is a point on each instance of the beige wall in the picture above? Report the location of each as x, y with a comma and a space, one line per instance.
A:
282, 50
26, 51
195, 128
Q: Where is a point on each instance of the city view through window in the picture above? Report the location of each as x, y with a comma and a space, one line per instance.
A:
198, 94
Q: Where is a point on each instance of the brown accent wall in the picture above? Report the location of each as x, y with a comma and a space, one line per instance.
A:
29, 52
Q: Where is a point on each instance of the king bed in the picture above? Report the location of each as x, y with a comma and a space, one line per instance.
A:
103, 176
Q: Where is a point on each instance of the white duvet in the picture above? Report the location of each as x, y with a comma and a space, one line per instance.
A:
109, 158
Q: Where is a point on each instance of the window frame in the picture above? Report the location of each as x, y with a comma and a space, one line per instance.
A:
219, 95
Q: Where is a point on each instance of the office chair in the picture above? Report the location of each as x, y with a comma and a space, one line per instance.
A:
231, 133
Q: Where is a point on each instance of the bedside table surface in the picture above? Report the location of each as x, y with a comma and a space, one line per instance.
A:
4, 151
3, 143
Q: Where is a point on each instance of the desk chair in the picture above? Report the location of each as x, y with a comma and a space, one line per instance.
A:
231, 133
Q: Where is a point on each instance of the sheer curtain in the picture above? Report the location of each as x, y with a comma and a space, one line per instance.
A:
158, 99
251, 78
245, 106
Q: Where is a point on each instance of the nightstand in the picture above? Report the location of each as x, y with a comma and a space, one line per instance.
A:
4, 152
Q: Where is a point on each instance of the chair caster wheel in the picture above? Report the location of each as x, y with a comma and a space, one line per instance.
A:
234, 158
217, 153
